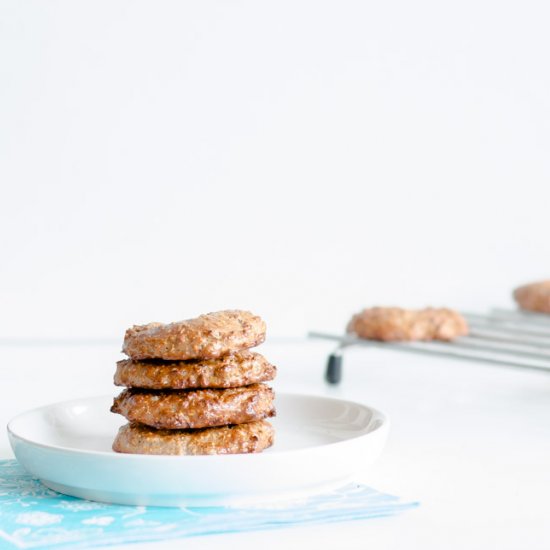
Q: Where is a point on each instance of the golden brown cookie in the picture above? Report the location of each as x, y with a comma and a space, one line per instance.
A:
182, 409
534, 297
207, 337
252, 437
397, 324
231, 371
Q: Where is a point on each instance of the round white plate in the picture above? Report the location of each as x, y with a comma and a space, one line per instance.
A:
320, 443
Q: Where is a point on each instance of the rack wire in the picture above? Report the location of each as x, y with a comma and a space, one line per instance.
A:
511, 338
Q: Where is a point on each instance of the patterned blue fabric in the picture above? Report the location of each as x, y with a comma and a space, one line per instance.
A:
33, 516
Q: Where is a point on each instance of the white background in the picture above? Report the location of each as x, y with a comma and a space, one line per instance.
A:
298, 158
302, 159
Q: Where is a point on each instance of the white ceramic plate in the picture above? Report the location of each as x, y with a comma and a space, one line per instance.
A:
320, 443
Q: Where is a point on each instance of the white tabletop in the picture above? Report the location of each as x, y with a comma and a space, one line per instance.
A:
468, 441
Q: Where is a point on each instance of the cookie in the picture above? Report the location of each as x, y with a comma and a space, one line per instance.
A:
397, 324
231, 371
183, 409
534, 297
206, 337
252, 437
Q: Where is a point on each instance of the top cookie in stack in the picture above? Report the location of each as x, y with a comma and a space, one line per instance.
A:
194, 387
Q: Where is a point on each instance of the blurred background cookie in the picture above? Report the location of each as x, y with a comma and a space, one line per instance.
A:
397, 324
534, 296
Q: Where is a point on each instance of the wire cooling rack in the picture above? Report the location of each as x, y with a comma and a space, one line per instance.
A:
505, 337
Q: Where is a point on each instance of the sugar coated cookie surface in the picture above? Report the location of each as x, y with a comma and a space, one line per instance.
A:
209, 336
182, 409
239, 369
252, 437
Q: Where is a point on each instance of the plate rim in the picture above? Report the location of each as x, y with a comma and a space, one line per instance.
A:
377, 413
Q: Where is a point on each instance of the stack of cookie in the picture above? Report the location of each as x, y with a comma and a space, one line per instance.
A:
193, 387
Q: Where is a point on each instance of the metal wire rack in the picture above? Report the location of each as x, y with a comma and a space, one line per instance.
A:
511, 338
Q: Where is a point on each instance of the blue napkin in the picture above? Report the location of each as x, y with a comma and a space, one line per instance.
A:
33, 516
